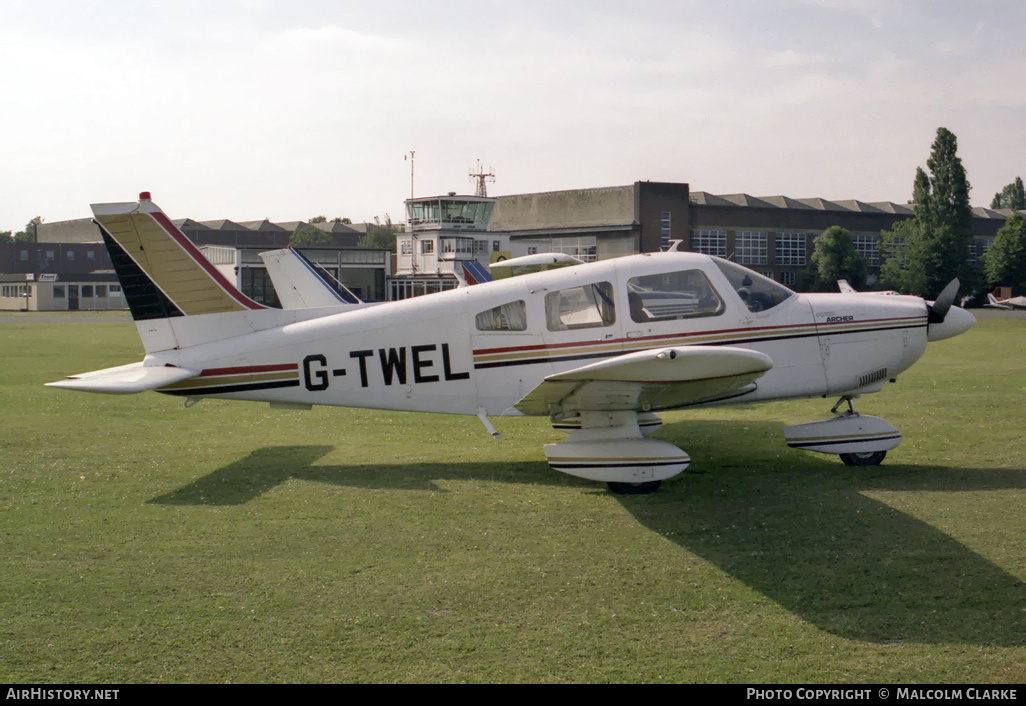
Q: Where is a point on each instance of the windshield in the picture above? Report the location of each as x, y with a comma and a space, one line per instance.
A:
757, 292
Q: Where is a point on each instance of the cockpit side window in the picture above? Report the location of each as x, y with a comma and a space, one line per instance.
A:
507, 317
757, 292
682, 294
580, 307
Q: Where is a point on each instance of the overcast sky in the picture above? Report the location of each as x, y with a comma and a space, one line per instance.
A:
291, 109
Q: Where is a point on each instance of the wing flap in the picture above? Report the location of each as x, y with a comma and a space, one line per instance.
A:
649, 380
125, 379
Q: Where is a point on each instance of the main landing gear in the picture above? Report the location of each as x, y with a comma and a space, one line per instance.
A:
860, 440
869, 458
612, 448
634, 488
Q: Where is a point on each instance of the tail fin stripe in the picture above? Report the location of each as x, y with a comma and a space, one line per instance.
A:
145, 299
165, 260
164, 222
336, 288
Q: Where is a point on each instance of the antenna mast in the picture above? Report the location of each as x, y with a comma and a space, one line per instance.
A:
410, 157
482, 176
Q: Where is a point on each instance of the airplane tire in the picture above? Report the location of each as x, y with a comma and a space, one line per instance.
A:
870, 458
634, 488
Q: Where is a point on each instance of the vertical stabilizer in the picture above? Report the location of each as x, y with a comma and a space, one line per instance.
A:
163, 275
301, 284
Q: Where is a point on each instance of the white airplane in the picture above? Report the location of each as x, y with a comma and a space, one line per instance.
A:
1011, 303
587, 346
842, 284
300, 283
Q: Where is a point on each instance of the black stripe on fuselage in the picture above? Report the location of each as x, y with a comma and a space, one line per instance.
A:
729, 342
613, 464
227, 389
798, 444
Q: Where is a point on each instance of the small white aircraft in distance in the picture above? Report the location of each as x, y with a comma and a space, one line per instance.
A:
1010, 303
597, 348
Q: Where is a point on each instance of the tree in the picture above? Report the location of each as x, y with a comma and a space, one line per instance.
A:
310, 236
324, 219
1012, 196
834, 257
901, 251
949, 187
29, 234
1005, 260
929, 250
6, 237
380, 236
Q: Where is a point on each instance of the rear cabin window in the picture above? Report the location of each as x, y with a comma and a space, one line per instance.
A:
589, 306
683, 294
507, 317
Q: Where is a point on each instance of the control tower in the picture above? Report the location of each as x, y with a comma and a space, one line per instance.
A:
446, 244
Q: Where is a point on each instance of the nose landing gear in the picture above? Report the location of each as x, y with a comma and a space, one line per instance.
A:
860, 440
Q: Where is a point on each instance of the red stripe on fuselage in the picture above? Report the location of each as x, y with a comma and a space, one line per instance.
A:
695, 334
243, 370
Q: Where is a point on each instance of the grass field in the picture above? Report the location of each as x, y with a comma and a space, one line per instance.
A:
144, 542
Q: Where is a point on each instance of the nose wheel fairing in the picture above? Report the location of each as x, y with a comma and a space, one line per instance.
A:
860, 440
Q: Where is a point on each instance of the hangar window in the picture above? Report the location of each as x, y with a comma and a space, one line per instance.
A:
672, 295
580, 307
507, 317
750, 247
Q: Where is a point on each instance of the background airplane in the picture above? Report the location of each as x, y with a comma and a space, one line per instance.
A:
1010, 303
598, 348
300, 283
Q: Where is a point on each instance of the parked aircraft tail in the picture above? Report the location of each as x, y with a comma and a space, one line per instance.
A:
300, 283
162, 274
175, 295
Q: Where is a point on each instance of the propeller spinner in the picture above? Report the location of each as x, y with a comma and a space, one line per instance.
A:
943, 321
939, 309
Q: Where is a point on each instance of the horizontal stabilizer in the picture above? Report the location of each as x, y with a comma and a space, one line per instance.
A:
660, 378
125, 379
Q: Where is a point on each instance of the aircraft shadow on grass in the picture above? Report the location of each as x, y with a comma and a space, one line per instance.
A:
798, 528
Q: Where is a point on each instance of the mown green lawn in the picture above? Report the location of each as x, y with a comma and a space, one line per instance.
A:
145, 542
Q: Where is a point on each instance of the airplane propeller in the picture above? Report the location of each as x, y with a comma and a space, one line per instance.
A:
938, 310
943, 320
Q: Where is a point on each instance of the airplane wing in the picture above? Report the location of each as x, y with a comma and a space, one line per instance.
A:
125, 379
846, 288
660, 378
531, 263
